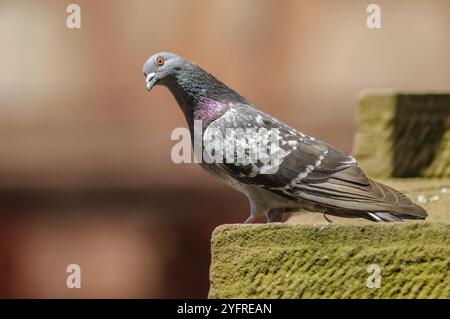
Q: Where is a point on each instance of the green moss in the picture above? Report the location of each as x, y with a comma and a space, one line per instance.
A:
292, 261
318, 261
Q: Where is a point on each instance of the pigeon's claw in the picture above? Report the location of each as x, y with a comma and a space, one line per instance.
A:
326, 218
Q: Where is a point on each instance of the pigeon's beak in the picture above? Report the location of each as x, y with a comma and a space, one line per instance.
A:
150, 80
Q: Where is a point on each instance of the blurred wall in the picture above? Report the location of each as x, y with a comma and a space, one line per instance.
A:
85, 150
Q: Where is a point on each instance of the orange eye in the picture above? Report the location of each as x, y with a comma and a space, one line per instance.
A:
160, 61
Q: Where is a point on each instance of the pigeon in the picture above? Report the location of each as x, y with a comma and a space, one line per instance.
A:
307, 173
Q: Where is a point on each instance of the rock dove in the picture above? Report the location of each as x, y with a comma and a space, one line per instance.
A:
310, 174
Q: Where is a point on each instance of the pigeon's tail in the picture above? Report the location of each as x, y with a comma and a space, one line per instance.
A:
356, 195
403, 208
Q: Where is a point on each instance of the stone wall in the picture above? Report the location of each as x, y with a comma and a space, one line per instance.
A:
403, 135
294, 261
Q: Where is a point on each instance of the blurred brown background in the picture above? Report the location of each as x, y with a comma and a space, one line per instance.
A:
85, 169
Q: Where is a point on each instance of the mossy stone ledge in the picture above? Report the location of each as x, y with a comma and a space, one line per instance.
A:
298, 261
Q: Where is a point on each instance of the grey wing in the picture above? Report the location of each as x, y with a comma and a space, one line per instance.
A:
298, 157
308, 169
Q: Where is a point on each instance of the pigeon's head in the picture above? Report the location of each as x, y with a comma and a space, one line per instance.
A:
161, 66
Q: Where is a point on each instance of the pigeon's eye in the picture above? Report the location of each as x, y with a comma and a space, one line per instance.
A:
160, 61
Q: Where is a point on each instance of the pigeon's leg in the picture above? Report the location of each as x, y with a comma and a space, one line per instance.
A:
250, 219
255, 211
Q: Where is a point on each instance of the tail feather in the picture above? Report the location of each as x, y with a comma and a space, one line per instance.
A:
405, 208
350, 193
383, 217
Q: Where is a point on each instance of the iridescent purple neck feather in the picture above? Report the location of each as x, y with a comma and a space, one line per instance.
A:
200, 95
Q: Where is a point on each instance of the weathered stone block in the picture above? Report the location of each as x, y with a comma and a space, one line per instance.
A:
292, 261
403, 135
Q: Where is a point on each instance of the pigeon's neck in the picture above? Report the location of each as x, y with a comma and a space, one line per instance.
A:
200, 95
